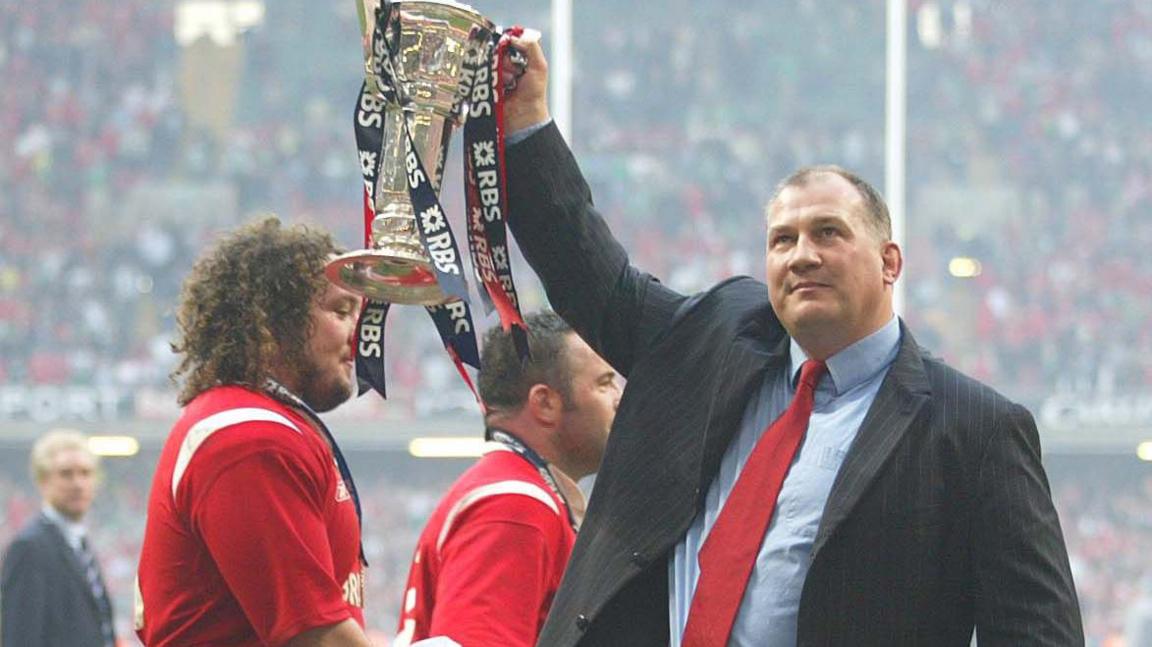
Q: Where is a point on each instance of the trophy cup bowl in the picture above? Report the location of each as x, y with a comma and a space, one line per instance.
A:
429, 41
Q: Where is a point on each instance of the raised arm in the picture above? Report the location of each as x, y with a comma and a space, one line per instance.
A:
616, 308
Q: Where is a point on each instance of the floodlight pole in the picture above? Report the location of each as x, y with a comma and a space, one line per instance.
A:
560, 67
896, 112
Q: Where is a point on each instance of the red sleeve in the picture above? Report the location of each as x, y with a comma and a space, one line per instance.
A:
262, 520
497, 568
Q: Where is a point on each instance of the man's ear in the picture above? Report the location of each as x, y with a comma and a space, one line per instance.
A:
893, 260
545, 403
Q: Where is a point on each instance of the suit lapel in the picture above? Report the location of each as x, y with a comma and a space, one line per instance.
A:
71, 560
745, 366
904, 392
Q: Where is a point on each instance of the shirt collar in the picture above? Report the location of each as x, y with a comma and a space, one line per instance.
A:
74, 531
855, 364
569, 489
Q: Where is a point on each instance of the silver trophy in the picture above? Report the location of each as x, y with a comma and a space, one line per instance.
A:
429, 41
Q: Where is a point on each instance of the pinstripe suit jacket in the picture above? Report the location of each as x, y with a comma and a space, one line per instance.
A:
940, 519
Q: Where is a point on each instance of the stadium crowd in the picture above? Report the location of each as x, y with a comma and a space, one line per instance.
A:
1108, 527
1033, 112
682, 147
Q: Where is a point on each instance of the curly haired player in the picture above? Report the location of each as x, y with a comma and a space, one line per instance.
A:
253, 533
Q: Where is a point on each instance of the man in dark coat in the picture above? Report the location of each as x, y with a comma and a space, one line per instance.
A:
916, 509
52, 592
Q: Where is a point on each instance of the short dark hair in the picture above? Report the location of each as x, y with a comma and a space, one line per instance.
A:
247, 301
875, 208
505, 379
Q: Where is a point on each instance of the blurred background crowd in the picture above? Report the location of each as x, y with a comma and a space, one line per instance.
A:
132, 131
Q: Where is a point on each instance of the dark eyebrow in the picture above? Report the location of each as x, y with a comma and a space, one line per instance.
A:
828, 217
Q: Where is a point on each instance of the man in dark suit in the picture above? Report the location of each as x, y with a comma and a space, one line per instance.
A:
52, 593
906, 503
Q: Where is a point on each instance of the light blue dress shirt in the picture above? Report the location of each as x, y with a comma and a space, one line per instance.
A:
767, 616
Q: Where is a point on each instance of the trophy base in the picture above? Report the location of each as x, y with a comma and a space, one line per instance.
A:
383, 276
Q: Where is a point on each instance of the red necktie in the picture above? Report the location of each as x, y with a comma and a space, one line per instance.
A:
730, 551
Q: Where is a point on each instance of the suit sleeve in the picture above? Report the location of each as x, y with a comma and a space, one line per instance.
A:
24, 595
1024, 590
498, 566
616, 308
262, 520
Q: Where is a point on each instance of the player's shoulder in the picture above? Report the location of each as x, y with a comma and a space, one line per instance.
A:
233, 419
499, 461
502, 485
223, 398
227, 406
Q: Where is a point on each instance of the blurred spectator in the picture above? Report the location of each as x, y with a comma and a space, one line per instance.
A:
53, 591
